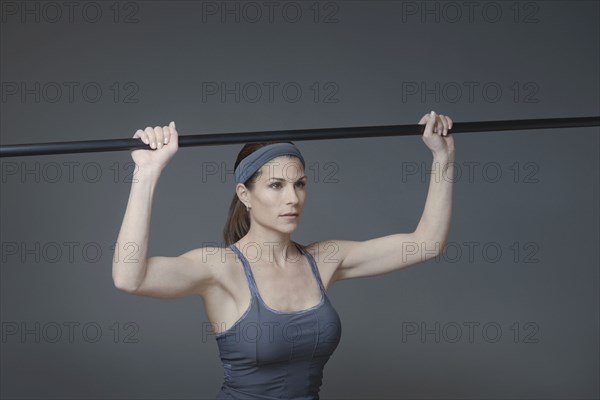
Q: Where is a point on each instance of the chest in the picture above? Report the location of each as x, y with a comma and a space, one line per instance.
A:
292, 290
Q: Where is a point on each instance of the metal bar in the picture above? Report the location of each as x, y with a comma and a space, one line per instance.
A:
34, 149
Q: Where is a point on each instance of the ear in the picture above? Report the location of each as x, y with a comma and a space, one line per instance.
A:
242, 192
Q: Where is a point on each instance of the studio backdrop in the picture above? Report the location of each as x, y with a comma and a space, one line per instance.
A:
509, 310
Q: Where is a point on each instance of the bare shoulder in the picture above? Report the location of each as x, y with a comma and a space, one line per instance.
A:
219, 258
209, 255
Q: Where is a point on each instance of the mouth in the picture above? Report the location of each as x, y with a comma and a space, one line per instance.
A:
289, 215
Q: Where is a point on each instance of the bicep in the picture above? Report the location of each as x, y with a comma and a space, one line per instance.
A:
173, 277
380, 255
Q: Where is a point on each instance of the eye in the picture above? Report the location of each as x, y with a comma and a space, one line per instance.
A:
300, 183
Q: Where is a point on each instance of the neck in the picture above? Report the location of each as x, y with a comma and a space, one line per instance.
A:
277, 253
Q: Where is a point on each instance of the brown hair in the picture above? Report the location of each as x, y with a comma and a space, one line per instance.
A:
238, 220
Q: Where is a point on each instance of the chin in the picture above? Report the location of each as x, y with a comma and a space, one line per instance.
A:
290, 228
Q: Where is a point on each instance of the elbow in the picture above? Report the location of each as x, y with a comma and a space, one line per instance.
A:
124, 279
123, 285
430, 247
442, 248
439, 248
125, 288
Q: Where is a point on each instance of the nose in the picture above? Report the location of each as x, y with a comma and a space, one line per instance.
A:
291, 195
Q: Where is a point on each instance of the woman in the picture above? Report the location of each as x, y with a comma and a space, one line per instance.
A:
264, 294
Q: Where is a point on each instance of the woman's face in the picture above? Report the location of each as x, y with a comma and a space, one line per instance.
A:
279, 189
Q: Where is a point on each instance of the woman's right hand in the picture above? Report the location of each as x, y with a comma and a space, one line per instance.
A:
164, 143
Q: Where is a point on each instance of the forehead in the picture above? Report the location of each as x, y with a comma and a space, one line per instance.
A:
282, 167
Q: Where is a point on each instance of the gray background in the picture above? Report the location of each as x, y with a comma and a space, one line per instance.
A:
541, 212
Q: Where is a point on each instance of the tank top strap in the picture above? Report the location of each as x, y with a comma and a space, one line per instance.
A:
313, 266
247, 271
250, 278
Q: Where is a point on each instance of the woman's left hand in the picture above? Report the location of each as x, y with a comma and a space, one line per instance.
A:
436, 135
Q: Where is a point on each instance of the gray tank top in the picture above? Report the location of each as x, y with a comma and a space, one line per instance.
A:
270, 354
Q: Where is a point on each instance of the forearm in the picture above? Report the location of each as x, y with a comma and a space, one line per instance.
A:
131, 249
434, 224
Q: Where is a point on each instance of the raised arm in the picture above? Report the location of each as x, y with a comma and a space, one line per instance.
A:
357, 259
434, 225
132, 270
130, 259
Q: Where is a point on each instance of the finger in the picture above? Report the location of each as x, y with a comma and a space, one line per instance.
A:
447, 126
151, 136
429, 125
142, 135
449, 123
167, 133
436, 124
159, 136
444, 121
174, 134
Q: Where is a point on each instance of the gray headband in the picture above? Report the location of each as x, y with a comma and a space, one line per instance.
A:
253, 162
